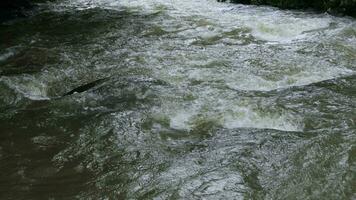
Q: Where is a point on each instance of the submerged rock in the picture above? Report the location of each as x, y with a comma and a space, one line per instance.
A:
333, 6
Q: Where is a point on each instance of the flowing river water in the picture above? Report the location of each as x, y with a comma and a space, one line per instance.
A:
164, 99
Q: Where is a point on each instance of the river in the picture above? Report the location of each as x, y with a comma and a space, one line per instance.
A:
164, 99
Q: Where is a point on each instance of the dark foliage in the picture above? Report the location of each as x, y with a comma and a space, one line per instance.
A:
13, 8
334, 6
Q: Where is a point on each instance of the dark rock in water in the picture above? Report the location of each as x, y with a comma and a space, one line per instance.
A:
86, 87
332, 6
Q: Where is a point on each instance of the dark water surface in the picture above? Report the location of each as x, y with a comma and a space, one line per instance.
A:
157, 99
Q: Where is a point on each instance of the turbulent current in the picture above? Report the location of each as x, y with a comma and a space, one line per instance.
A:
164, 99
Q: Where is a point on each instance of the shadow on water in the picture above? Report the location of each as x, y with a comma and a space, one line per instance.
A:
29, 140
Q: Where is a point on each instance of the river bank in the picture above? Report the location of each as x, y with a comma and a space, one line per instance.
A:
347, 7
10, 9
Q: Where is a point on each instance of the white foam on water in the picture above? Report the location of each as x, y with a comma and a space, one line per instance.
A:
208, 20
242, 78
308, 75
228, 112
181, 120
265, 23
283, 27
266, 29
6, 55
27, 86
268, 24
246, 117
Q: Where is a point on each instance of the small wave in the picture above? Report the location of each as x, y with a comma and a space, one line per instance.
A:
251, 82
8, 54
285, 28
26, 86
230, 114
